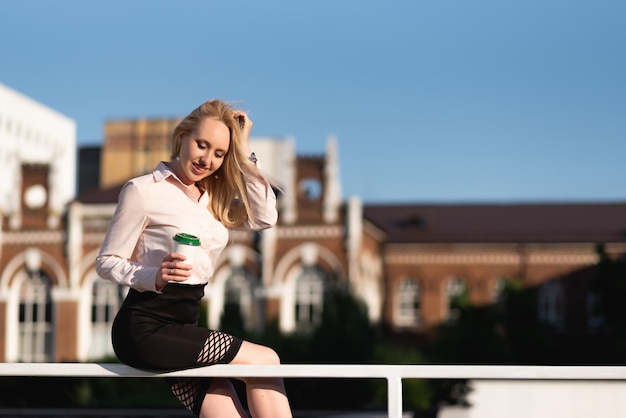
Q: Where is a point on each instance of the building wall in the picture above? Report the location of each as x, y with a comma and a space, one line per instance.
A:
480, 266
317, 234
134, 147
31, 133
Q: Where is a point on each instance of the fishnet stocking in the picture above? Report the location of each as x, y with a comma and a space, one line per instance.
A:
186, 390
190, 391
215, 348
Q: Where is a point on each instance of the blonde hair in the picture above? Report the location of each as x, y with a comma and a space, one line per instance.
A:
227, 186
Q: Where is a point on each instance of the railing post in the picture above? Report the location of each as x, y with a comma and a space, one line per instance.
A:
394, 397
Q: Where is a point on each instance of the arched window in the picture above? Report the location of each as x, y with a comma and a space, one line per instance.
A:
241, 291
457, 297
551, 303
310, 287
106, 301
407, 299
36, 321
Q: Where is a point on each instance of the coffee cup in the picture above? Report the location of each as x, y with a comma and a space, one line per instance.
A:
186, 244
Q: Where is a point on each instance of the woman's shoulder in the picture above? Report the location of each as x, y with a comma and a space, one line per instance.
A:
140, 185
139, 182
145, 179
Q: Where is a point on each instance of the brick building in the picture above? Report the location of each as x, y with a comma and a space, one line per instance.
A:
408, 262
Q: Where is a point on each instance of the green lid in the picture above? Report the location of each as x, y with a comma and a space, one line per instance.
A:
187, 239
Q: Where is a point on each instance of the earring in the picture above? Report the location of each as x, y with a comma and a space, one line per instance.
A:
178, 158
217, 176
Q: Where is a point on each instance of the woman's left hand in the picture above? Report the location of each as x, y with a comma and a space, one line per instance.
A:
246, 126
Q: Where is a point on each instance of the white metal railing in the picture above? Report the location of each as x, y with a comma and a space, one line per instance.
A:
392, 373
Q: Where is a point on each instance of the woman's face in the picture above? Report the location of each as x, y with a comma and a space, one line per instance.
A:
202, 152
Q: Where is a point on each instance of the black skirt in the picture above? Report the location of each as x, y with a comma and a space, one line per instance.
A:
159, 331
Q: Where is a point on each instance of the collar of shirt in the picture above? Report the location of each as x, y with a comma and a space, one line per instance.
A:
163, 171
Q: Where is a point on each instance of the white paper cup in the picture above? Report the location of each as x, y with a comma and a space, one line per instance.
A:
188, 245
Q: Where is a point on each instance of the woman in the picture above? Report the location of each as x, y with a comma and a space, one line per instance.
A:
211, 184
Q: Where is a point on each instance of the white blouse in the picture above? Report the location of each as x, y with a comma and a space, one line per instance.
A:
152, 209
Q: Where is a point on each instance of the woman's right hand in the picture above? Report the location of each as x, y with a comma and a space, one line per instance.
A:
173, 269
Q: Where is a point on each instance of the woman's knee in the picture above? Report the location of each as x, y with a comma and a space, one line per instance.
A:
266, 355
251, 353
271, 356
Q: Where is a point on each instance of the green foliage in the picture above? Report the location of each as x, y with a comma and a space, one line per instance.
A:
476, 337
135, 392
232, 321
29, 391
416, 393
52, 392
487, 334
609, 287
344, 336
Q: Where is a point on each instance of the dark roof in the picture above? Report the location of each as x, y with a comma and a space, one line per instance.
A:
564, 222
108, 195
479, 223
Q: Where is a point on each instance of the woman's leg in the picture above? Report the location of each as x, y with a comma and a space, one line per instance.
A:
266, 395
221, 401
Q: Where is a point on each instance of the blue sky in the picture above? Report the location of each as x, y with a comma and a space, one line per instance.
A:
430, 100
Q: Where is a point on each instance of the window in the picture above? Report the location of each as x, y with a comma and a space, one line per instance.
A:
456, 297
309, 298
311, 189
107, 298
408, 303
551, 303
36, 322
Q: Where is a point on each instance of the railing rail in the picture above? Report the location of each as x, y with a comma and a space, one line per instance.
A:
394, 374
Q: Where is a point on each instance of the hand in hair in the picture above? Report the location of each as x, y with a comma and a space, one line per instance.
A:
246, 126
